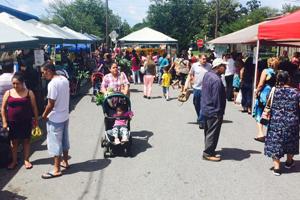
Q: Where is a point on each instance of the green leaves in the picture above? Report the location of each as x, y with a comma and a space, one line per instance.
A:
86, 16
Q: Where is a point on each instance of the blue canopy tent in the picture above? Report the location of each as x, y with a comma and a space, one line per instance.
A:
19, 14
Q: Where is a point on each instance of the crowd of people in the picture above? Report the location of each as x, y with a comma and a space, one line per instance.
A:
214, 82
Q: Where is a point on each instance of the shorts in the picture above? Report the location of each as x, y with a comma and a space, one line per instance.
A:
165, 89
57, 137
182, 78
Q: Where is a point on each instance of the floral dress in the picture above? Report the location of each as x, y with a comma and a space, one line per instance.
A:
283, 129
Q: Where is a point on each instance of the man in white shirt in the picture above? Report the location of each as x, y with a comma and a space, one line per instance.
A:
197, 72
6, 77
57, 115
229, 74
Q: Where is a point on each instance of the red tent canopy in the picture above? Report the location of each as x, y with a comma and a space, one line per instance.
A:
286, 28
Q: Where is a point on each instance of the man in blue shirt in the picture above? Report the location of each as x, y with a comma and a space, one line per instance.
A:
213, 103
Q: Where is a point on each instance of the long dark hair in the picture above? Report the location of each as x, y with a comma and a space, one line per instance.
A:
19, 76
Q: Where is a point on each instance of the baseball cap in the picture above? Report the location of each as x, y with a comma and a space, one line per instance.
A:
217, 62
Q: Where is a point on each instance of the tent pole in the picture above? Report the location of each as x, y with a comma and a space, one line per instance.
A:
255, 73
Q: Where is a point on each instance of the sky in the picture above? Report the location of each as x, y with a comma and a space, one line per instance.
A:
133, 11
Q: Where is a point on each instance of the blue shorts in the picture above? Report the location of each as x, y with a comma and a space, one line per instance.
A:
57, 137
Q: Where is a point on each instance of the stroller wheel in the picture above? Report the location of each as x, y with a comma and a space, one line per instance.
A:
102, 142
106, 153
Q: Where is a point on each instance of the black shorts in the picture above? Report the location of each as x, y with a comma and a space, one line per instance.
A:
182, 78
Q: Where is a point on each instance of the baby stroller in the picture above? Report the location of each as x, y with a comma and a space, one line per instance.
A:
109, 109
96, 80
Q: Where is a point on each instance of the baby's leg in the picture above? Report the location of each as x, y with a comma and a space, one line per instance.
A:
115, 133
124, 132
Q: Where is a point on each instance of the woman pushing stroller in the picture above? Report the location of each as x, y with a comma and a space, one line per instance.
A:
115, 81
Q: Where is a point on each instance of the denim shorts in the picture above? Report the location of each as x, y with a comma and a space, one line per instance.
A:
57, 137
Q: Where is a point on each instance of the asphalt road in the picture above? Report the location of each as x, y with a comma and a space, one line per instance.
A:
166, 164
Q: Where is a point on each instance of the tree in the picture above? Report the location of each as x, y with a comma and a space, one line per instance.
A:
181, 19
254, 17
253, 5
288, 8
85, 16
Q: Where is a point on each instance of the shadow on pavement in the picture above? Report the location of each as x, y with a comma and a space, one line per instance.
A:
194, 123
7, 195
136, 91
140, 141
227, 121
87, 166
157, 97
236, 154
295, 169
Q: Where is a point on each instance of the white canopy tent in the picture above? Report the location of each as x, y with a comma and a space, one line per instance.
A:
12, 39
78, 35
28, 29
147, 36
68, 37
46, 28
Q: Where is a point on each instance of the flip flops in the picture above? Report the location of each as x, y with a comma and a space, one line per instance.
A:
64, 166
50, 175
28, 166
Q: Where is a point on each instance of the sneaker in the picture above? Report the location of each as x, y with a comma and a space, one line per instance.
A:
289, 165
145, 96
149, 97
201, 126
276, 172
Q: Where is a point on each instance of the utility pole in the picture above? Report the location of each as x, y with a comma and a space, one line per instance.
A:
106, 34
217, 18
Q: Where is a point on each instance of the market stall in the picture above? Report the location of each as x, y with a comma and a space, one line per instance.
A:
148, 38
12, 39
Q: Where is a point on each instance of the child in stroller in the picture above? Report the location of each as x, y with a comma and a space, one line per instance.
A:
120, 127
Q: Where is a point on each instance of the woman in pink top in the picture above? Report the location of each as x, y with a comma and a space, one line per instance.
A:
120, 127
135, 67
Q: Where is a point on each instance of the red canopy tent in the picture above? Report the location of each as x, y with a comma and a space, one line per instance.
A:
286, 28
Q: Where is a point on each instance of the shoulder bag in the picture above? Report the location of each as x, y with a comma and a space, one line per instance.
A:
266, 115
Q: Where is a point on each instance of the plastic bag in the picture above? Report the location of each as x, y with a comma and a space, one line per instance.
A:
36, 132
239, 98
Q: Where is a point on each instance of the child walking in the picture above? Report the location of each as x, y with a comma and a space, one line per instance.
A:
166, 82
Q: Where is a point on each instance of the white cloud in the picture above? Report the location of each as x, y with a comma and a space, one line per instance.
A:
24, 8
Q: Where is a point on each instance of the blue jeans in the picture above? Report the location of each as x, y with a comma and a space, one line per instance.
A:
136, 77
57, 137
197, 105
160, 73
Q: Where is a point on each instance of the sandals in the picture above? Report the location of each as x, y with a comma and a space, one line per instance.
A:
65, 166
50, 175
28, 166
260, 139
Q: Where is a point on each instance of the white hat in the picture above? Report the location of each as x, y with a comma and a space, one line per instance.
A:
217, 62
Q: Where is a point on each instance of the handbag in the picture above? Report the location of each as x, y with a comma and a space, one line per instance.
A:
266, 115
